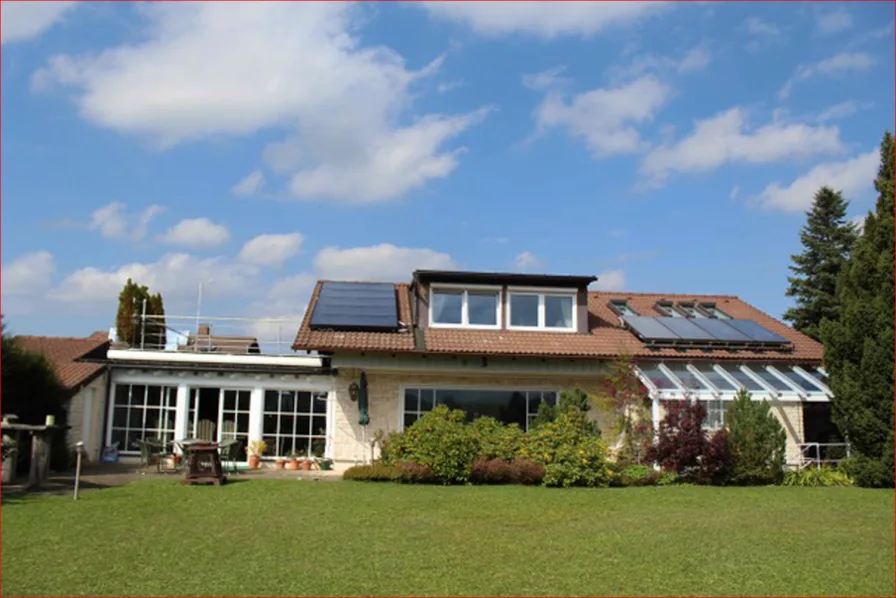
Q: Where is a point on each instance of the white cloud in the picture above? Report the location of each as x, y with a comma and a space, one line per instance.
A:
697, 58
21, 21
384, 262
175, 275
726, 138
197, 233
833, 21
609, 280
844, 62
211, 69
859, 222
250, 185
756, 26
545, 79
28, 275
528, 262
447, 86
842, 110
544, 19
270, 250
852, 177
605, 118
115, 222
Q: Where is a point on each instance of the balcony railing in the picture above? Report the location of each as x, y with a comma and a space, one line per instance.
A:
819, 454
215, 335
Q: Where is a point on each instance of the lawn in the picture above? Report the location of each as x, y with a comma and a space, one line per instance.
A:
275, 537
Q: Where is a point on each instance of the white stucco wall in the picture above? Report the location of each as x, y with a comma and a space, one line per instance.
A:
85, 416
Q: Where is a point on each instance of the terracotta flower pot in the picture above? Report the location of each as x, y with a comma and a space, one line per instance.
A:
292, 464
254, 461
306, 465
281, 463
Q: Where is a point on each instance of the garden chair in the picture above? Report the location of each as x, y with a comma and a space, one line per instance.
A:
205, 430
230, 452
148, 450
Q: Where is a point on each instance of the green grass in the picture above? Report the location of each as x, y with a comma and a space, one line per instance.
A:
275, 537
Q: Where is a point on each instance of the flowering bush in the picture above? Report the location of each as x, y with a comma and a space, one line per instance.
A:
496, 440
570, 453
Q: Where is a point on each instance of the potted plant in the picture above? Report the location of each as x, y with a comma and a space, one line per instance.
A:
256, 450
306, 463
292, 462
281, 462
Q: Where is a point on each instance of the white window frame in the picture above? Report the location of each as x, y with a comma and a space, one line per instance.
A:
669, 309
464, 310
436, 387
166, 404
615, 303
713, 310
296, 434
686, 308
541, 293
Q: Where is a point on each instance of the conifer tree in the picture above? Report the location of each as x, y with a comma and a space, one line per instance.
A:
827, 240
859, 344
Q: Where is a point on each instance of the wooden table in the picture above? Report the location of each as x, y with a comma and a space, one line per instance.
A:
202, 464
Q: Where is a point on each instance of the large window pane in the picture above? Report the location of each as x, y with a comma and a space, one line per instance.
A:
505, 405
293, 420
743, 379
523, 310
447, 307
558, 311
482, 308
714, 377
770, 379
799, 380
688, 380
659, 379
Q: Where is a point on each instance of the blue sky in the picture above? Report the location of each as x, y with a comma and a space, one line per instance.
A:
665, 147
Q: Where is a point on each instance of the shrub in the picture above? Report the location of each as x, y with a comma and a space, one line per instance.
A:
868, 473
715, 465
374, 472
441, 441
496, 440
756, 440
499, 471
573, 402
668, 478
637, 475
570, 451
410, 472
681, 442
816, 478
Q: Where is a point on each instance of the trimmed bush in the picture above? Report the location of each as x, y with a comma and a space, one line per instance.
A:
637, 475
818, 478
868, 473
715, 465
572, 454
410, 472
499, 471
374, 472
756, 440
496, 440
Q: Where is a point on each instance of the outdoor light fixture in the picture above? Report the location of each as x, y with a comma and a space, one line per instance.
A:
353, 391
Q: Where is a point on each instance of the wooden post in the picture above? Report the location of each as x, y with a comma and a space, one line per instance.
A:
80, 448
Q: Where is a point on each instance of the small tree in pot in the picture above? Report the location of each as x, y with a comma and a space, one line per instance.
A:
256, 450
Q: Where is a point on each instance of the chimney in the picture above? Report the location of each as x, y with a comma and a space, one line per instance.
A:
203, 330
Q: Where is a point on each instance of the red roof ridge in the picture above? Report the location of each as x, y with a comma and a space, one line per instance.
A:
665, 295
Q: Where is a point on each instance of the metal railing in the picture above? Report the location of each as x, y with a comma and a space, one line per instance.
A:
819, 454
215, 335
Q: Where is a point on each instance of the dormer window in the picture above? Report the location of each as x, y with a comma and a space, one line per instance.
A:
714, 311
622, 308
666, 308
691, 310
542, 310
472, 307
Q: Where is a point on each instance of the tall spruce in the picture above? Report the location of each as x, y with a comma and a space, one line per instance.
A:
827, 240
859, 344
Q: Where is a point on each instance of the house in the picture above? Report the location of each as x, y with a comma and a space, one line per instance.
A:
498, 344
493, 344
85, 382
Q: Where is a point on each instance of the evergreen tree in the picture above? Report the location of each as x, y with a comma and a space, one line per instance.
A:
130, 311
756, 441
827, 240
859, 344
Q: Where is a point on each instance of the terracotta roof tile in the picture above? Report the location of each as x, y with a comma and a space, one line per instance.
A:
606, 338
62, 353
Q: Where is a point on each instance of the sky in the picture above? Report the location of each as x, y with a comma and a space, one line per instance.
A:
663, 147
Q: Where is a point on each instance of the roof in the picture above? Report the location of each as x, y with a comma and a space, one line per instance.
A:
606, 336
503, 278
63, 353
220, 344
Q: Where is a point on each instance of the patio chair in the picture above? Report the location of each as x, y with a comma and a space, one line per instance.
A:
230, 452
205, 430
148, 450
228, 430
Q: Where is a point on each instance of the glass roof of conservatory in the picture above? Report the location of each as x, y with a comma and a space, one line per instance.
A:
677, 379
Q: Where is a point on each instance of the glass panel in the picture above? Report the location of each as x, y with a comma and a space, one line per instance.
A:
287, 402
121, 394
152, 418
154, 395
229, 400
120, 417
303, 402
523, 310
319, 403
319, 426
271, 442
688, 380
716, 378
409, 419
242, 423
558, 311
799, 380
286, 425
743, 379
655, 375
482, 308
427, 399
135, 418
269, 424
508, 406
271, 400
132, 440
411, 399
447, 307
770, 379
138, 394
118, 436
245, 399
715, 414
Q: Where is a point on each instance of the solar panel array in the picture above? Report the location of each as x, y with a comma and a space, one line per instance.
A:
703, 332
367, 306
